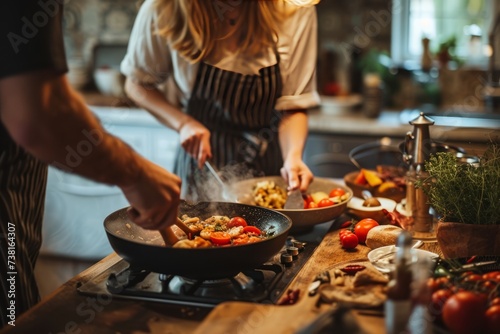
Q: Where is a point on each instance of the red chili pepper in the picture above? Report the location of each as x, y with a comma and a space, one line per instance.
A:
291, 297
471, 259
352, 269
345, 224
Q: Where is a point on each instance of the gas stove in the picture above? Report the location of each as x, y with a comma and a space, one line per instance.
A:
265, 284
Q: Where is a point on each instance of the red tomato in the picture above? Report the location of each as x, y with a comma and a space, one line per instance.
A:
464, 312
237, 221
493, 319
312, 205
495, 301
220, 238
472, 278
437, 301
362, 227
325, 202
252, 230
493, 275
336, 192
349, 241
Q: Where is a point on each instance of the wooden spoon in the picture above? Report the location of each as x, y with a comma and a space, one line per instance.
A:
169, 236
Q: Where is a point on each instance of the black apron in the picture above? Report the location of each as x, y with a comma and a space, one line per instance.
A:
238, 110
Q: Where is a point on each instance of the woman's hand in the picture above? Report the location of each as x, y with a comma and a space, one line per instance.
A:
297, 174
195, 140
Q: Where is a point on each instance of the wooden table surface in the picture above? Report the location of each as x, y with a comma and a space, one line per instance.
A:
67, 311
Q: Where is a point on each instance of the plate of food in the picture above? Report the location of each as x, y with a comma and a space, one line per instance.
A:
383, 258
324, 201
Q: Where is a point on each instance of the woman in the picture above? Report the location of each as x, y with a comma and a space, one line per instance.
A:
244, 72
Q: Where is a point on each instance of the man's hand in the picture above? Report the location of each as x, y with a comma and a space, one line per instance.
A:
154, 197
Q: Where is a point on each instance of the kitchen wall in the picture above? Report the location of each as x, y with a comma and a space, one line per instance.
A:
347, 31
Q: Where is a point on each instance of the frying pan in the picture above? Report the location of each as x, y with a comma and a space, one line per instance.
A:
145, 249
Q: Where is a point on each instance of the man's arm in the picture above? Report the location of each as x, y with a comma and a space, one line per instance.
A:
45, 116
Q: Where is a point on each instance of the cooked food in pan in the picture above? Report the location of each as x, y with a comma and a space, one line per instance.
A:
217, 231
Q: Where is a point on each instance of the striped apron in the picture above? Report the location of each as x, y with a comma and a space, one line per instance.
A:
22, 195
238, 110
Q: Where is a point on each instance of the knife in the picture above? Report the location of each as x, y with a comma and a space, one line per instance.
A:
466, 267
294, 200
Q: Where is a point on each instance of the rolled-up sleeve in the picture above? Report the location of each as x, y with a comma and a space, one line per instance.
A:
298, 53
148, 59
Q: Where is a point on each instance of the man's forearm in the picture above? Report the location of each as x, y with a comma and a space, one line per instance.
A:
49, 120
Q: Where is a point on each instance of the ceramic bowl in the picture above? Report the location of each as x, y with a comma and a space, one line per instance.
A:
355, 208
302, 219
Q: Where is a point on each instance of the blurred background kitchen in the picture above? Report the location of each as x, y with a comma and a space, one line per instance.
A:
378, 62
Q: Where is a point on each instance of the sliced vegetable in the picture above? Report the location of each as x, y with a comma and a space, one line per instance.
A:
220, 238
237, 221
336, 192
252, 229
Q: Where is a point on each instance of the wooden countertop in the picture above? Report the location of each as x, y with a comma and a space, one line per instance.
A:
68, 311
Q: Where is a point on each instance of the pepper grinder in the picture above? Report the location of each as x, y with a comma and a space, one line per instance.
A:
418, 147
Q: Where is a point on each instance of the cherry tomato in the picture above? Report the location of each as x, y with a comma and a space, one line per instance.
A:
237, 221
437, 301
464, 312
349, 241
495, 301
325, 202
343, 231
220, 238
308, 198
472, 278
312, 205
336, 192
252, 230
492, 319
362, 227
492, 275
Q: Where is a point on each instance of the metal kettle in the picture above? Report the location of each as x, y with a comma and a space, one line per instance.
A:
417, 149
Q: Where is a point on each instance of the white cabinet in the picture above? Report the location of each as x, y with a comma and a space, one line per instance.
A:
75, 207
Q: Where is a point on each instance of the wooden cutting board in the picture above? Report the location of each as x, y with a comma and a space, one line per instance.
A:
244, 317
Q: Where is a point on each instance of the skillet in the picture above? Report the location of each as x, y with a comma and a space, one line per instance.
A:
145, 249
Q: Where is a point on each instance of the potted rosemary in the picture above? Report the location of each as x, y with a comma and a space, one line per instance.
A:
466, 198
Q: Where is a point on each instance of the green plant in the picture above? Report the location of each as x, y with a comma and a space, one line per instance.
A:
464, 193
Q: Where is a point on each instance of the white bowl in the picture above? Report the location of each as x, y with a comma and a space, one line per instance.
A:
355, 207
382, 258
109, 81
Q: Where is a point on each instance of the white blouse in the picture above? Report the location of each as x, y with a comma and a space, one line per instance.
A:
151, 60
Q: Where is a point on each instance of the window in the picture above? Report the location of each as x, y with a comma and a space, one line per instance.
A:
468, 21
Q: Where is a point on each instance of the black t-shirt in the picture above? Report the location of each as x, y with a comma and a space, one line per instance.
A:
31, 36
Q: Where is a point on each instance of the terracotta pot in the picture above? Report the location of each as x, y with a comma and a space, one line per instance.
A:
463, 240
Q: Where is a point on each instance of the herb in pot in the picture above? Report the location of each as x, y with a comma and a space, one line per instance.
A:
461, 192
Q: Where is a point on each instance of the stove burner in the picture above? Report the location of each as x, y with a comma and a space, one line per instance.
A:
265, 284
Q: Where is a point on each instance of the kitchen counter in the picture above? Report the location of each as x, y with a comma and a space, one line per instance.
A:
67, 311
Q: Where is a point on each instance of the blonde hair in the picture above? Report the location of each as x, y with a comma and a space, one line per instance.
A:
194, 27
